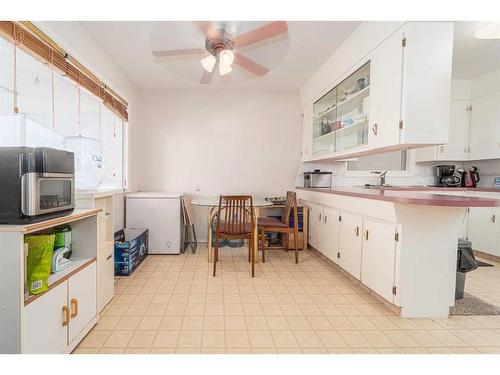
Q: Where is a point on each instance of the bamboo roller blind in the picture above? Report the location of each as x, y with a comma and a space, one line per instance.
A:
41, 47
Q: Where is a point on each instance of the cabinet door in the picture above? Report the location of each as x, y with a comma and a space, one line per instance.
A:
350, 243
82, 298
330, 233
307, 132
43, 330
385, 92
315, 223
105, 275
485, 127
379, 257
458, 138
483, 229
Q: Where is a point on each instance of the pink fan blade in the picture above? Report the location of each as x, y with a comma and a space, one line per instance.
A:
206, 27
267, 31
206, 77
250, 65
179, 52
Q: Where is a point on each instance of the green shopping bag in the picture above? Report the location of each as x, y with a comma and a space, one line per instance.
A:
39, 262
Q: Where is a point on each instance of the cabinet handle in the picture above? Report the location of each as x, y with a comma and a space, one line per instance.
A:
493, 218
366, 235
74, 307
356, 231
66, 316
319, 217
375, 129
109, 257
325, 218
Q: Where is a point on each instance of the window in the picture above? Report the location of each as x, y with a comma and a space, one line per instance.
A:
389, 161
51, 107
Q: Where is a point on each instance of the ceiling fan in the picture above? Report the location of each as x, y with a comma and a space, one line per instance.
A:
222, 48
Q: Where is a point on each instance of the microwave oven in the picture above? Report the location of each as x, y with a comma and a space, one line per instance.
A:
317, 179
37, 183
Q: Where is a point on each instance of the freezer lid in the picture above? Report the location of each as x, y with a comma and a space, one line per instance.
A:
154, 194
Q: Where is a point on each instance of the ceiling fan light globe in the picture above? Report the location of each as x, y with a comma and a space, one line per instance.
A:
227, 57
489, 31
208, 63
224, 69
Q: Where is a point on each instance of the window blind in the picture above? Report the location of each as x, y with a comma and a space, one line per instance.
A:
27, 37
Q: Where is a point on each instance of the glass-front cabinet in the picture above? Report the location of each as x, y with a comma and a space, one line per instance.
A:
340, 117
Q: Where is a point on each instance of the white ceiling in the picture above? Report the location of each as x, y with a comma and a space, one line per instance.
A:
291, 58
473, 57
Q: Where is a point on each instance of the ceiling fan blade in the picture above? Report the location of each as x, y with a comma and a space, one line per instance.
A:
206, 27
206, 77
179, 52
267, 31
250, 65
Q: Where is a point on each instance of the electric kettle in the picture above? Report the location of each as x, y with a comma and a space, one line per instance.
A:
470, 177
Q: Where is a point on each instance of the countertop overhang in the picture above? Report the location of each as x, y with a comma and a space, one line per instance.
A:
408, 195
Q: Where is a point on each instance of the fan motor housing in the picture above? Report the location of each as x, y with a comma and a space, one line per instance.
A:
223, 40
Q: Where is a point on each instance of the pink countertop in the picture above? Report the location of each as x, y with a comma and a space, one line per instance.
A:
409, 195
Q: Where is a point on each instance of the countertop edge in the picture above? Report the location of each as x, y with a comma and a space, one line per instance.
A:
398, 196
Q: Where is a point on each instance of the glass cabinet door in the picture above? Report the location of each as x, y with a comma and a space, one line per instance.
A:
340, 118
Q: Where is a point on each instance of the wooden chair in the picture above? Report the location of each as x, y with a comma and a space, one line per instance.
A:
235, 220
188, 215
272, 224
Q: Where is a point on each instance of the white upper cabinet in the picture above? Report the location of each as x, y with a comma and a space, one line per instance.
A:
386, 82
395, 97
485, 127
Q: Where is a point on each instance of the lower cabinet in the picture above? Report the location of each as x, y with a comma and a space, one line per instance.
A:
52, 321
379, 257
364, 247
45, 328
329, 234
483, 229
82, 298
105, 275
350, 243
315, 222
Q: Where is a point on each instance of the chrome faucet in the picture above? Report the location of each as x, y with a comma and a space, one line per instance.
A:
381, 175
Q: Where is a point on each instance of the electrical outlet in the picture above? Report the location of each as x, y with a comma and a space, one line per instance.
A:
197, 187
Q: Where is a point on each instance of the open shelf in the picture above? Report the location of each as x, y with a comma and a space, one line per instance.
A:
57, 278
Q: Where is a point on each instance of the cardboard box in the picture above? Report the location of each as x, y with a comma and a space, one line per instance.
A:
131, 248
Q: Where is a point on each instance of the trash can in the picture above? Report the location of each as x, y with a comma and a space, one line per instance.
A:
466, 262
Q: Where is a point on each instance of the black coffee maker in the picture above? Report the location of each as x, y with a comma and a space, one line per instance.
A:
446, 175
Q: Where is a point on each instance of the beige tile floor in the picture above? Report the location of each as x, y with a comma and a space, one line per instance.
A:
484, 283
172, 304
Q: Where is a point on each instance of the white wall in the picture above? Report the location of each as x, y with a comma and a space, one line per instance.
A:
78, 42
208, 142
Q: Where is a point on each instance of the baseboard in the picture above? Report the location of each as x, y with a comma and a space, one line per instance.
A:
487, 256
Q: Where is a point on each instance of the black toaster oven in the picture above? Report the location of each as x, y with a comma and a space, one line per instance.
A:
36, 183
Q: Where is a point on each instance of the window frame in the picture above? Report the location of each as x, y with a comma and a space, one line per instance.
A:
408, 172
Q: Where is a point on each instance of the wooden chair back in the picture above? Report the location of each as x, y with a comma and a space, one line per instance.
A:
235, 214
291, 203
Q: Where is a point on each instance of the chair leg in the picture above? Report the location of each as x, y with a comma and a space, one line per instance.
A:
249, 255
295, 242
286, 241
253, 254
216, 252
263, 243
